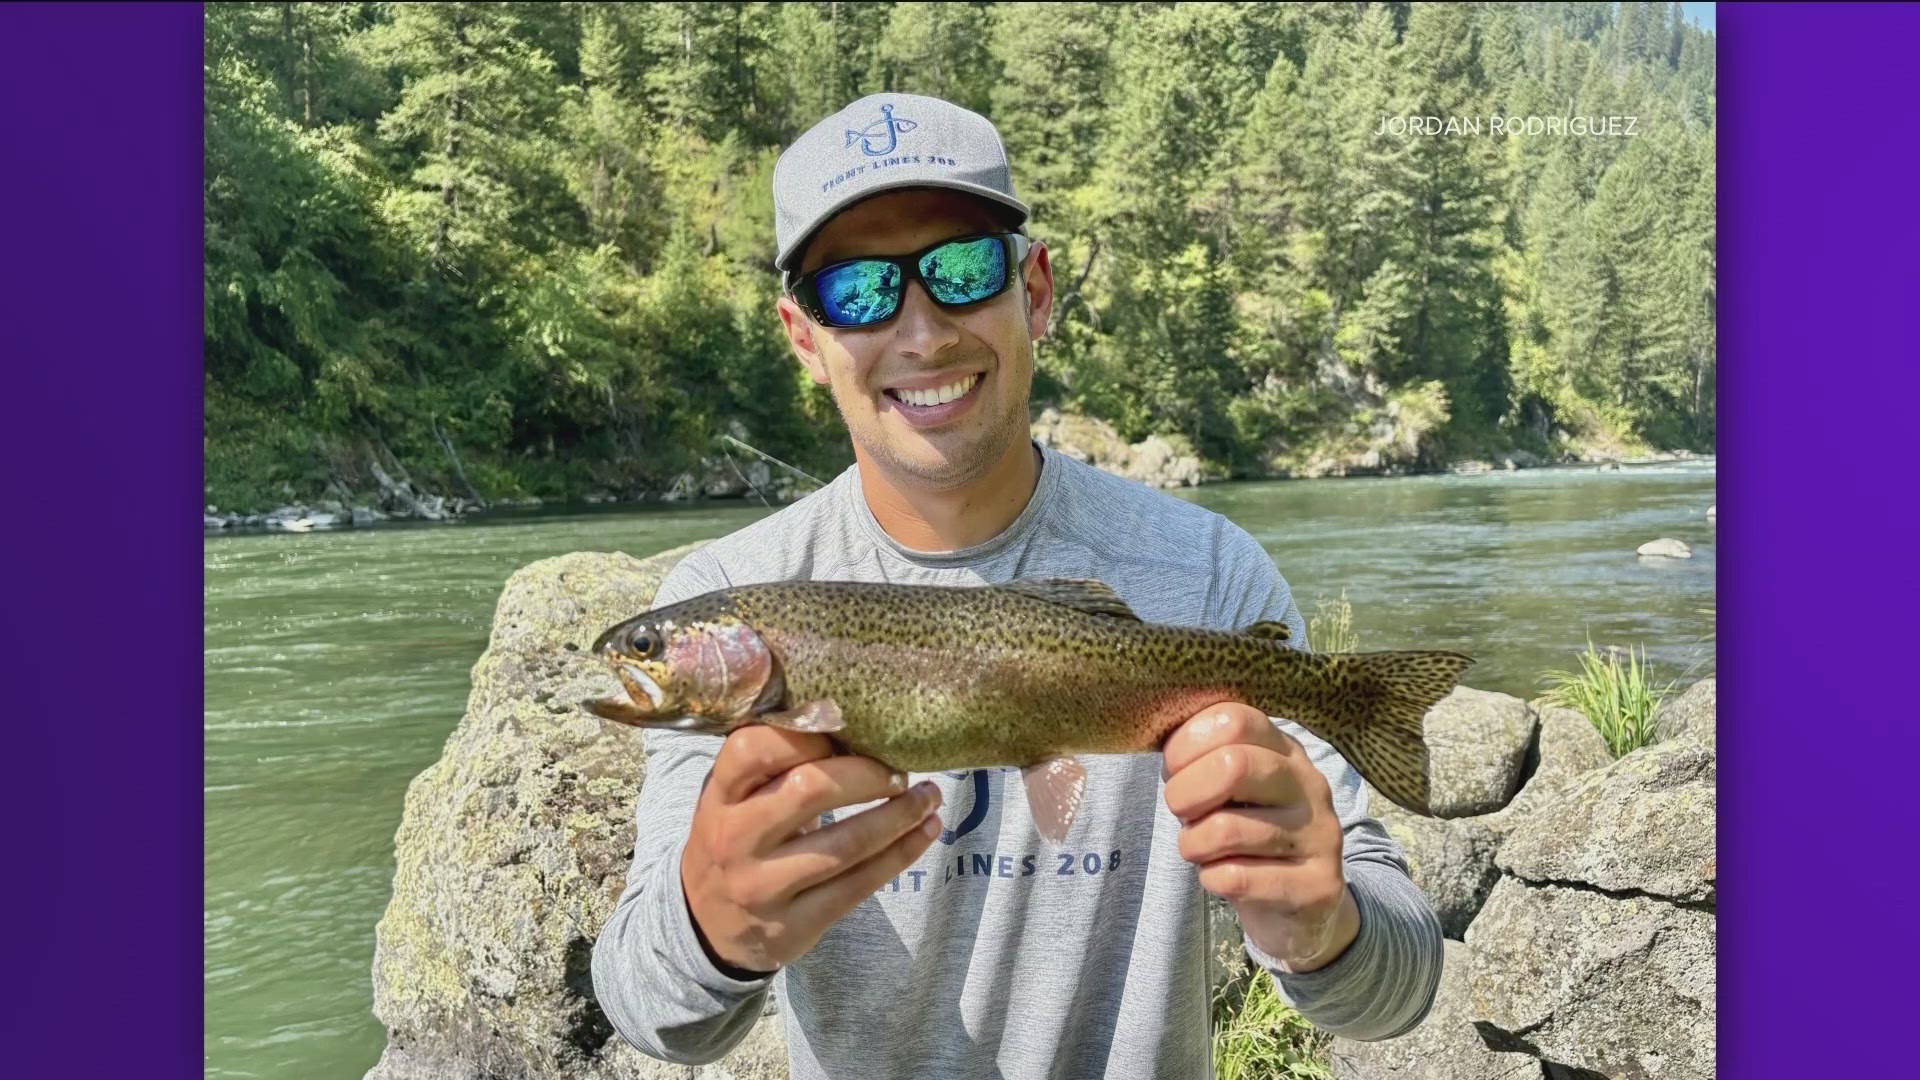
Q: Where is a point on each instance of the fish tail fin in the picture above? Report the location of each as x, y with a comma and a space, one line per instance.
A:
1372, 707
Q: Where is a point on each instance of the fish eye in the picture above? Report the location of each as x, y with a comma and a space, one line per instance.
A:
644, 643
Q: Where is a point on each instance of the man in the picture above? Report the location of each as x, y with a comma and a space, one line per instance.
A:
934, 933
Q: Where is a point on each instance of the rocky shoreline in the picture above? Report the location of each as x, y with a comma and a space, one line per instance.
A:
1158, 461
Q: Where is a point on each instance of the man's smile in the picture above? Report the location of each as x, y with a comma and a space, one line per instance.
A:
934, 400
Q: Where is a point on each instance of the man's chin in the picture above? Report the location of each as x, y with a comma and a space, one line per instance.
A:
937, 457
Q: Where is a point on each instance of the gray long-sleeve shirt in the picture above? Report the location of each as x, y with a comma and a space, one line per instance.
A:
1000, 954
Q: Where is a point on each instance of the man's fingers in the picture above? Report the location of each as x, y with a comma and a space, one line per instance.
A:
804, 792
827, 902
1266, 832
1297, 889
757, 753
1220, 725
820, 856
1239, 773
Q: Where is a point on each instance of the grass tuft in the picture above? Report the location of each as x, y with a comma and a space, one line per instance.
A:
1616, 691
1330, 630
1258, 1036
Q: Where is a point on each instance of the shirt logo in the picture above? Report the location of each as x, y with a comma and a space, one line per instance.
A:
982, 797
886, 128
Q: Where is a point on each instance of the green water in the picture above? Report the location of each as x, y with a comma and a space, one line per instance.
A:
336, 665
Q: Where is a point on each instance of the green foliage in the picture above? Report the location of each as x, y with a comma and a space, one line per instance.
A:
1258, 1036
529, 244
1616, 691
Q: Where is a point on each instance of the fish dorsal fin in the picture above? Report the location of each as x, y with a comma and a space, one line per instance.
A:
1269, 629
1092, 597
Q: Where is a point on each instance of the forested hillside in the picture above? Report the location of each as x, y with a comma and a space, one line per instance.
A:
513, 250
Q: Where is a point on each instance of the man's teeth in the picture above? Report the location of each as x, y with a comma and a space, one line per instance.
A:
940, 396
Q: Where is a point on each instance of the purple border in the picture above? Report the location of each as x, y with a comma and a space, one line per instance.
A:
1819, 291
102, 115
101, 112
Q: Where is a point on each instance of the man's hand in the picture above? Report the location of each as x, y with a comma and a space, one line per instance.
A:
763, 881
1258, 820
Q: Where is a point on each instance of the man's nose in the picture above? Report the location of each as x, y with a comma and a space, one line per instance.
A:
922, 328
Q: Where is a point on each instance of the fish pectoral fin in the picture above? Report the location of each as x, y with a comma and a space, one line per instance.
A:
822, 716
1054, 788
1269, 629
1092, 597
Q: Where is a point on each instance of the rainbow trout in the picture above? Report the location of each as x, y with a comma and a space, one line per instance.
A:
1029, 673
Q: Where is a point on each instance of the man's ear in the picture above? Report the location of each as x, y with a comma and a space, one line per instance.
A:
800, 337
1039, 287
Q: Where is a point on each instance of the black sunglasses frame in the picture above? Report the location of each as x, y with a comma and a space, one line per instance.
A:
806, 288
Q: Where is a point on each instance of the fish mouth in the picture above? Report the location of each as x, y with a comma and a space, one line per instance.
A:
649, 702
640, 685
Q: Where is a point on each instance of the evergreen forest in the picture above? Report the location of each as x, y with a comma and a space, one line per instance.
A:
524, 250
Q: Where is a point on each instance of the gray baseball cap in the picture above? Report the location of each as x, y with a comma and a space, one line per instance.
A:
880, 143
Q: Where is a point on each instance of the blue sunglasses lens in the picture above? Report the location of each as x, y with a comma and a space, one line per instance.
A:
967, 272
858, 293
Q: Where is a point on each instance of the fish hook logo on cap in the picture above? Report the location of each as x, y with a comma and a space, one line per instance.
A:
884, 142
888, 127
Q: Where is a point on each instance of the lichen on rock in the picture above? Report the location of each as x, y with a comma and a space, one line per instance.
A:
514, 846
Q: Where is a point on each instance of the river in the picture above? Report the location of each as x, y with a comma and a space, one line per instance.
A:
336, 665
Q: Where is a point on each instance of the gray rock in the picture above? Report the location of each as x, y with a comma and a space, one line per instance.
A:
1691, 714
1445, 1046
213, 521
1158, 460
1478, 742
1568, 747
513, 847
1452, 859
1163, 461
1622, 986
1644, 824
1665, 547
366, 515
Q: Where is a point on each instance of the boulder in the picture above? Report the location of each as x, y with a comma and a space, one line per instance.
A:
1568, 747
1158, 460
1445, 1046
1478, 742
513, 848
1619, 986
1164, 462
1666, 547
1452, 859
1691, 714
1644, 824
366, 515
1595, 949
